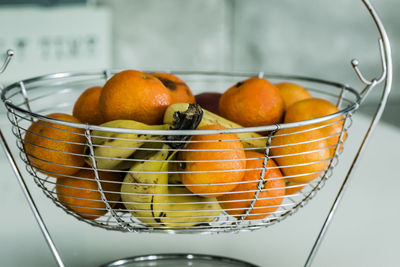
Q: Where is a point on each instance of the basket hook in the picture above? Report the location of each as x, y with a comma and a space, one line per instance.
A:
355, 62
10, 53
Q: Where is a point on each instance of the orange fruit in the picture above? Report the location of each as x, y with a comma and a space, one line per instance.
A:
292, 93
54, 149
134, 95
80, 194
268, 200
292, 187
179, 90
253, 102
312, 108
212, 164
301, 153
86, 108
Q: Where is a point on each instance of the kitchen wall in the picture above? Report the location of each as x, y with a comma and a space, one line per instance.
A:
173, 34
314, 38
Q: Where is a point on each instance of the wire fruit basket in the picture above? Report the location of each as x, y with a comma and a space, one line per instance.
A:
173, 177
140, 164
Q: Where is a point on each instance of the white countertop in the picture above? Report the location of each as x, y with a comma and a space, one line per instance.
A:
364, 232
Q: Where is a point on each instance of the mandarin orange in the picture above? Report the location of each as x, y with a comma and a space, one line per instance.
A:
292, 93
54, 149
253, 102
292, 187
86, 108
179, 90
134, 95
81, 194
268, 200
302, 153
212, 164
312, 108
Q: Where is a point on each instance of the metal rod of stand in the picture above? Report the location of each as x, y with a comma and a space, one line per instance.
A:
386, 76
31, 203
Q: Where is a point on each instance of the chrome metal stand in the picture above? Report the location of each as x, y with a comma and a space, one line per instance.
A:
386, 76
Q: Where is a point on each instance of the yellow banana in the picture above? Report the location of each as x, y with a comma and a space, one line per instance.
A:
117, 150
249, 139
173, 176
111, 149
148, 196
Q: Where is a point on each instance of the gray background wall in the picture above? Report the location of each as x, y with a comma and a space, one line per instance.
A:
308, 37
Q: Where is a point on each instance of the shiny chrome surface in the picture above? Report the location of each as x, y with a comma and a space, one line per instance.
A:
179, 260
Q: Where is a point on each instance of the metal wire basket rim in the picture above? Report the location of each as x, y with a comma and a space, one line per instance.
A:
273, 127
161, 141
101, 73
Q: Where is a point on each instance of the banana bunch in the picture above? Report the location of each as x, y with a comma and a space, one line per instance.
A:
248, 139
151, 191
148, 195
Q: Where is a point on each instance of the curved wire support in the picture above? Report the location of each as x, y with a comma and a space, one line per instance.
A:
386, 59
355, 62
385, 77
10, 54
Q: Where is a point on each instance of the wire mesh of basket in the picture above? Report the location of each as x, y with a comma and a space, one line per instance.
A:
154, 178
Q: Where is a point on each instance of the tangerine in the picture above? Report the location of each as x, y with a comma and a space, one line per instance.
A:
55, 149
86, 108
301, 152
179, 90
134, 95
212, 164
292, 187
81, 194
253, 102
312, 108
270, 196
292, 93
